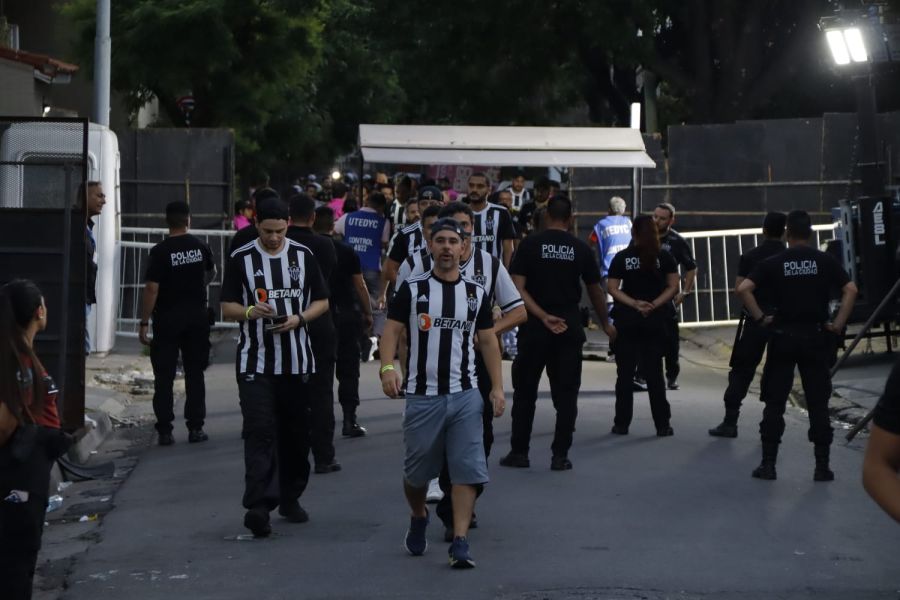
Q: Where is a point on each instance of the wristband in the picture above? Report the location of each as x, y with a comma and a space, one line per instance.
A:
247, 312
145, 323
385, 369
302, 320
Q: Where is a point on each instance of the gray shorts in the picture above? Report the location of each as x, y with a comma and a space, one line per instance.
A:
451, 425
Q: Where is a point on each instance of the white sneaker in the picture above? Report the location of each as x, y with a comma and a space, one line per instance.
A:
434, 494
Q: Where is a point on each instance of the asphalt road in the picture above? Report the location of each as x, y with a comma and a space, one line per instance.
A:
637, 517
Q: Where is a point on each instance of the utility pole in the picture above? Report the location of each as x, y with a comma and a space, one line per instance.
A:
102, 64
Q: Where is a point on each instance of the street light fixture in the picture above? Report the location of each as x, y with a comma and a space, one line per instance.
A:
335, 175
847, 45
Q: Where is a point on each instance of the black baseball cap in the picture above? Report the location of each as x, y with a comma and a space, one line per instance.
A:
448, 224
431, 192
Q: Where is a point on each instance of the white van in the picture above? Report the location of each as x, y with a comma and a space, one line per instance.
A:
37, 186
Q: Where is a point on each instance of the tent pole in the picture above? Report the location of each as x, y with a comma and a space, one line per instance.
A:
637, 183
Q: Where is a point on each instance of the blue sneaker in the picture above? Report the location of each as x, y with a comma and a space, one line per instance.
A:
459, 554
415, 542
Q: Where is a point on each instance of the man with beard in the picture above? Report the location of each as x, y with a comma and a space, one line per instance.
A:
492, 229
527, 224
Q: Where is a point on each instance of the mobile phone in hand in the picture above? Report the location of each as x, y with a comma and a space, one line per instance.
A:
275, 322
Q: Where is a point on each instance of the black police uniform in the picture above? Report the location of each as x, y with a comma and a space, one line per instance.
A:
675, 245
554, 263
180, 264
887, 411
750, 340
348, 322
641, 339
322, 336
801, 280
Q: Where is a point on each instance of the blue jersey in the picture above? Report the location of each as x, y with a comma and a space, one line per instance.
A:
363, 231
612, 233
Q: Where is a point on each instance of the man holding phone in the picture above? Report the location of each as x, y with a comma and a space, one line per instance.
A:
273, 287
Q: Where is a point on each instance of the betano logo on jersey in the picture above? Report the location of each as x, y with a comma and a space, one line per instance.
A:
263, 295
427, 323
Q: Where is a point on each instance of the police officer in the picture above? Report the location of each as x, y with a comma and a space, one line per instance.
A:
322, 335
674, 244
548, 270
750, 340
352, 310
800, 281
180, 268
643, 279
882, 462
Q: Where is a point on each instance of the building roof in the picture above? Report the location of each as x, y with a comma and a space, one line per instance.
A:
618, 147
48, 66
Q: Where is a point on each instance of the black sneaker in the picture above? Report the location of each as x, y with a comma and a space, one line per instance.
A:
560, 463
353, 430
415, 542
459, 554
672, 384
515, 460
257, 521
293, 512
166, 439
331, 467
197, 435
619, 430
765, 471
823, 474
665, 431
639, 385
724, 430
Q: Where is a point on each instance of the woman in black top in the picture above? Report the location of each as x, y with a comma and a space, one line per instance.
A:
642, 281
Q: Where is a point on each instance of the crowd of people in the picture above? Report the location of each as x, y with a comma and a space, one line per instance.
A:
446, 285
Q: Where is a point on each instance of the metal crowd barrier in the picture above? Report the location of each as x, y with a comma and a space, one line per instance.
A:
710, 304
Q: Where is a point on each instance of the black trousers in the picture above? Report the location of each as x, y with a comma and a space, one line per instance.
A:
22, 523
321, 389
275, 431
186, 332
672, 346
561, 356
812, 352
641, 342
746, 355
444, 508
348, 324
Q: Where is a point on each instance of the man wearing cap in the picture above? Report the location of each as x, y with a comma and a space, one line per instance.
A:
174, 296
442, 313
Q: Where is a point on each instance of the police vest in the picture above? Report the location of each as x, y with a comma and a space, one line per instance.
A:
363, 231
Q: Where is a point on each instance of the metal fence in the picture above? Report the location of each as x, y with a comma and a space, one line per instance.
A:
710, 304
135, 250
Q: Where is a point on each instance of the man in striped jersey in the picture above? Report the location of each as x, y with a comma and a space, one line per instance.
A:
493, 229
443, 314
420, 260
407, 242
273, 287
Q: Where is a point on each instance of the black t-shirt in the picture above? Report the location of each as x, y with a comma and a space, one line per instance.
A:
801, 280
242, 236
748, 262
343, 294
179, 265
640, 284
554, 263
887, 412
676, 245
321, 246
527, 224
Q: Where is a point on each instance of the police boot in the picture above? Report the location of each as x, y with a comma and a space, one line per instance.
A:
822, 472
351, 428
728, 427
766, 469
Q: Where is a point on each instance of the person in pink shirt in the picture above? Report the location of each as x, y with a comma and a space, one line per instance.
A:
243, 214
338, 196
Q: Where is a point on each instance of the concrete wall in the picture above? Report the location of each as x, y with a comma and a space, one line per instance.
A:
21, 95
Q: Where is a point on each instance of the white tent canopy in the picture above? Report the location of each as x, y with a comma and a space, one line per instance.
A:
610, 147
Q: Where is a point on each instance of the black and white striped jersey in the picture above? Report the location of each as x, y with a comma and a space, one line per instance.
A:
289, 282
418, 263
520, 199
441, 319
488, 272
407, 242
490, 227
